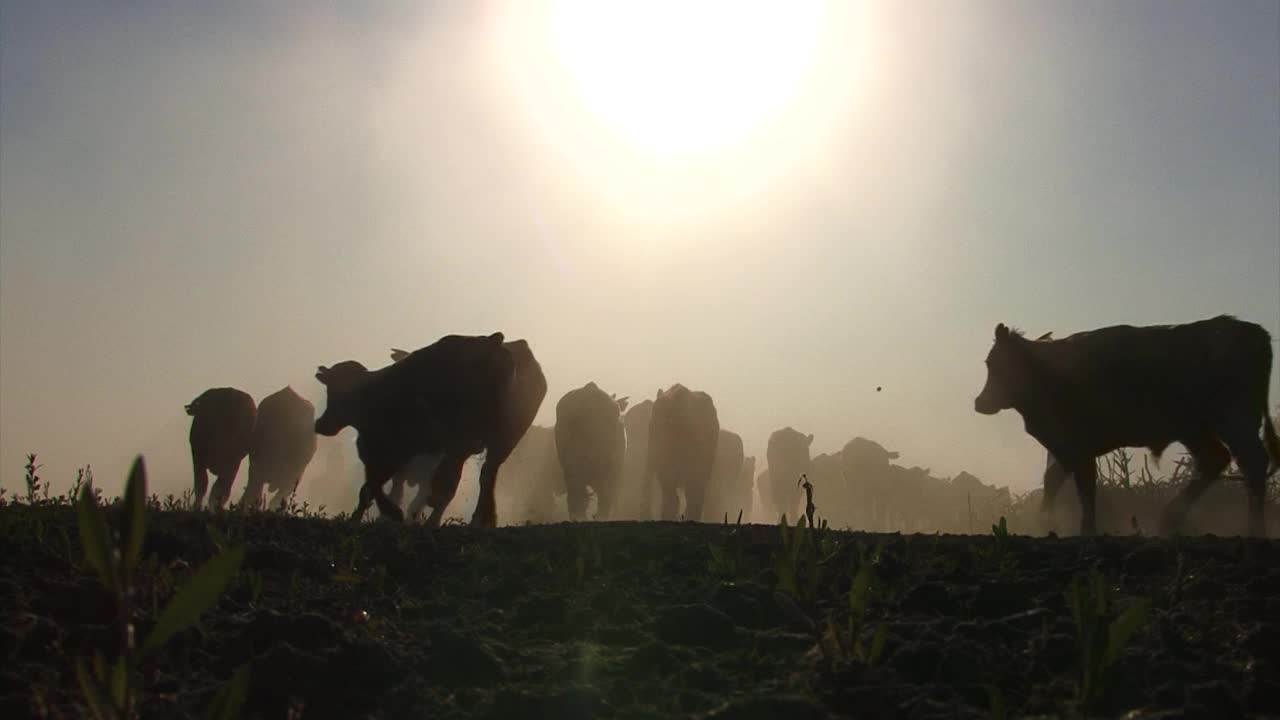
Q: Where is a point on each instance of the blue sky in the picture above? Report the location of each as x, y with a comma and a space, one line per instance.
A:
198, 194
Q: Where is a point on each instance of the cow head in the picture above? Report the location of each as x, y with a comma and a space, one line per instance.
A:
1007, 372
345, 404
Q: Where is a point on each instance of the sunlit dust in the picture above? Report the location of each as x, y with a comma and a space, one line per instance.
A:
673, 118
685, 77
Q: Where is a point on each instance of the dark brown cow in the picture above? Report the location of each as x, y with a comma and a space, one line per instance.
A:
590, 444
1203, 384
683, 433
871, 496
726, 492
221, 434
638, 494
284, 441
461, 395
788, 457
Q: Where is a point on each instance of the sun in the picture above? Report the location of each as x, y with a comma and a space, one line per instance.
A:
676, 78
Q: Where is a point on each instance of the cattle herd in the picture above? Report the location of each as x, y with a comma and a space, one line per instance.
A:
1203, 384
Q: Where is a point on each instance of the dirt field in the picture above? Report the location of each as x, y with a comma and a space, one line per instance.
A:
648, 620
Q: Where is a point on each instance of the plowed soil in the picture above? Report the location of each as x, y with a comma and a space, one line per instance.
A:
640, 620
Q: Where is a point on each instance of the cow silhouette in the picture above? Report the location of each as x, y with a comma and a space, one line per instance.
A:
284, 441
683, 433
456, 397
590, 444
222, 421
787, 455
1203, 384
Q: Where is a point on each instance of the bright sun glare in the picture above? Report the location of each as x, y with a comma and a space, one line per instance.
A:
680, 77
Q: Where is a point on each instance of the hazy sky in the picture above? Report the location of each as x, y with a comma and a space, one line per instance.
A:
207, 194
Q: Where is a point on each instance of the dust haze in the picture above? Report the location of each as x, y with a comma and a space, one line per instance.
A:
194, 197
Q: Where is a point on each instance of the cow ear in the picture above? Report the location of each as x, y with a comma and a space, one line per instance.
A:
809, 439
397, 354
659, 392
322, 373
497, 338
622, 403
1002, 332
1046, 336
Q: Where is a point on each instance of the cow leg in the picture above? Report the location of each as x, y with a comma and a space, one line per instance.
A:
444, 485
695, 493
284, 492
486, 513
604, 500
221, 492
363, 503
670, 503
576, 494
397, 488
1055, 476
1085, 472
1211, 458
375, 476
251, 498
1251, 457
200, 486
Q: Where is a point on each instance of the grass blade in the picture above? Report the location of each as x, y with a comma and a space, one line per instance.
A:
997, 703
226, 704
93, 693
119, 682
877, 643
199, 594
1123, 628
134, 528
96, 538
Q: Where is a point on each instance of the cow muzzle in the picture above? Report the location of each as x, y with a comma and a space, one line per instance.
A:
985, 406
327, 427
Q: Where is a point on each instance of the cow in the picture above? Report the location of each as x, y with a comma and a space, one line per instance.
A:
284, 441
725, 494
830, 492
1203, 384
868, 472
222, 421
683, 433
456, 397
638, 494
590, 444
788, 458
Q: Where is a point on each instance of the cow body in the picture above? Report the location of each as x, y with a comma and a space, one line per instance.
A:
869, 474
456, 397
590, 445
725, 495
1203, 384
284, 441
640, 496
222, 421
829, 487
788, 459
683, 433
